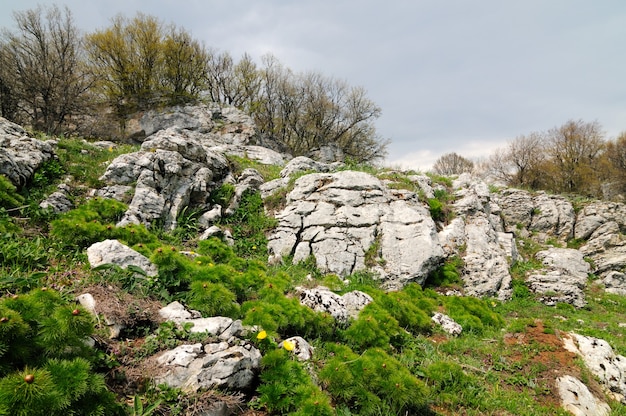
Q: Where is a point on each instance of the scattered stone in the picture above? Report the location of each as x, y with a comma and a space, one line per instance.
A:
58, 201
447, 324
601, 360
114, 252
302, 349
322, 299
578, 400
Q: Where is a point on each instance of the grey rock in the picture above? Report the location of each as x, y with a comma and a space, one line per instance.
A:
193, 367
58, 201
425, 184
578, 400
302, 349
208, 218
260, 154
175, 312
21, 155
615, 282
222, 234
447, 324
337, 217
563, 278
355, 301
486, 261
117, 192
114, 252
602, 361
322, 299
306, 164
170, 172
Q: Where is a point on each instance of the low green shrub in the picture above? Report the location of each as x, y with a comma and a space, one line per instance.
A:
452, 386
286, 388
471, 313
372, 383
9, 197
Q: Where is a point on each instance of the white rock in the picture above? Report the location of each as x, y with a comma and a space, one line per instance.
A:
447, 324
578, 400
302, 349
114, 252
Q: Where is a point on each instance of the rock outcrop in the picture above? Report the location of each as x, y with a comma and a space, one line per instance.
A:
563, 278
343, 217
21, 155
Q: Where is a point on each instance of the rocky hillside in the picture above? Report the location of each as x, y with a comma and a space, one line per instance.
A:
213, 274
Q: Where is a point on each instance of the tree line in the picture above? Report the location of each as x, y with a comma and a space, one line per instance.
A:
575, 157
52, 77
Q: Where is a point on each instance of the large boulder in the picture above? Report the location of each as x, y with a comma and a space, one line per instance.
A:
114, 252
170, 172
578, 400
563, 277
607, 366
476, 229
21, 155
340, 218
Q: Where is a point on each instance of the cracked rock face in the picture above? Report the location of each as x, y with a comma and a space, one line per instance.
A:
339, 217
114, 252
20, 155
563, 278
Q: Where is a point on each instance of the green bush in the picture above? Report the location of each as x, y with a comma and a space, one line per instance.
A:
471, 313
374, 327
448, 274
45, 363
372, 383
9, 197
451, 385
287, 388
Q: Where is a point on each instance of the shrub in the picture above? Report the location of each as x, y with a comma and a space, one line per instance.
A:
372, 383
9, 197
287, 388
472, 314
448, 274
45, 363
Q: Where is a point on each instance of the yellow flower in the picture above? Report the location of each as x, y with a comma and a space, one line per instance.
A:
261, 335
288, 345
199, 262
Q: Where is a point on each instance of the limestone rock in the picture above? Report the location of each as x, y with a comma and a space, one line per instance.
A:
302, 349
322, 299
615, 282
603, 363
114, 252
20, 155
304, 164
58, 201
171, 171
337, 217
217, 365
578, 400
486, 262
447, 324
549, 215
563, 278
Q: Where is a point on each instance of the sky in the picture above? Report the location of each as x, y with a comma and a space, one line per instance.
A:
449, 75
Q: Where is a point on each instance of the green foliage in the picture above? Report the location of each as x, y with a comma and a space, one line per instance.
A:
453, 386
168, 336
449, 274
287, 388
45, 365
9, 197
249, 224
18, 253
48, 172
94, 221
372, 383
222, 195
473, 314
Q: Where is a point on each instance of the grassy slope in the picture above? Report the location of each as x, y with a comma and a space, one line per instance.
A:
502, 369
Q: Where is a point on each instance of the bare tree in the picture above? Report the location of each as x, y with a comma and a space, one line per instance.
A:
574, 149
43, 68
527, 155
452, 164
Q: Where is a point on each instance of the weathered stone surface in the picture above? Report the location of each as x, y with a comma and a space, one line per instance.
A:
337, 217
563, 278
114, 252
222, 234
217, 365
58, 201
117, 192
602, 361
258, 153
305, 164
578, 400
322, 299
222, 327
171, 171
447, 324
248, 180
550, 215
20, 155
615, 282
302, 349
486, 262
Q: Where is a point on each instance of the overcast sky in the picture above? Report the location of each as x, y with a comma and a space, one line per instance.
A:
450, 75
